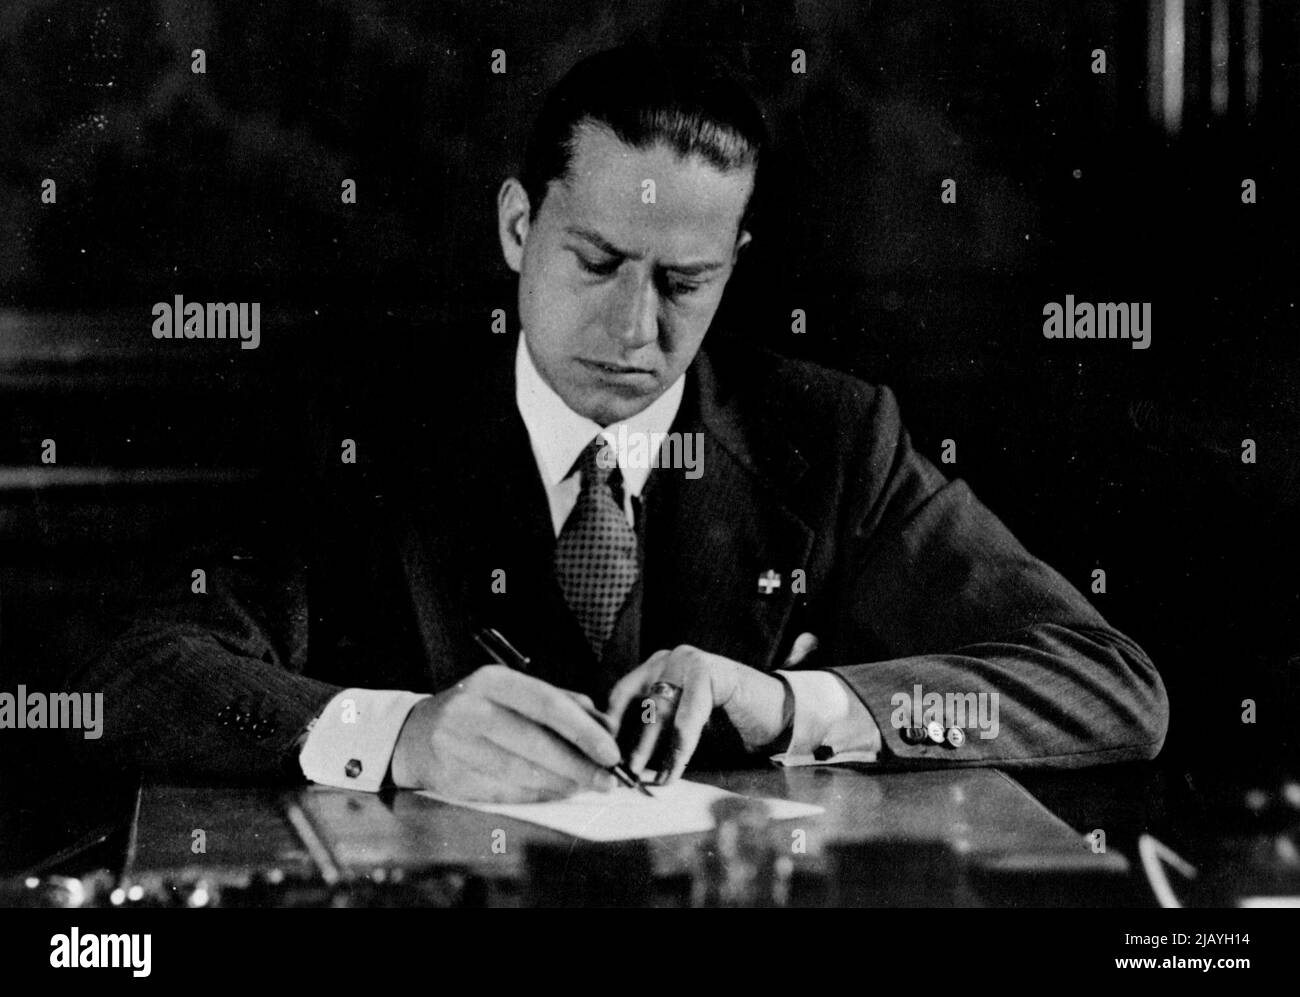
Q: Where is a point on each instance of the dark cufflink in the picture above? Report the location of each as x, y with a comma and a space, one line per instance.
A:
353, 768
912, 735
823, 753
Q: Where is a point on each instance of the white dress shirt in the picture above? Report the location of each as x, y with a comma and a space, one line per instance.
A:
559, 435
351, 743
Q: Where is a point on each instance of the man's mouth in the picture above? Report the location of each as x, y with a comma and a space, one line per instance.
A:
618, 370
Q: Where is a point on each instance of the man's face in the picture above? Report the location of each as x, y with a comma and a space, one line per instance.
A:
616, 289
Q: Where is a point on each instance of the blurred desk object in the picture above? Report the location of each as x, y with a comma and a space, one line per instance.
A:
995, 844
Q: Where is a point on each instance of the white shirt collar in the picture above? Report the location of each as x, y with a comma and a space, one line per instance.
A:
559, 434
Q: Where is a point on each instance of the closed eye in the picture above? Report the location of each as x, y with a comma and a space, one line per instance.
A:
677, 287
682, 288
601, 268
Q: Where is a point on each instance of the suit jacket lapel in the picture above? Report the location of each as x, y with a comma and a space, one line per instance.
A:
480, 531
710, 538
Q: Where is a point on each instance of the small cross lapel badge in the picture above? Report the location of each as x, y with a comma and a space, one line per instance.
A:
768, 582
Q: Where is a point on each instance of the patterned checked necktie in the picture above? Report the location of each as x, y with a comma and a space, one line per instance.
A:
596, 554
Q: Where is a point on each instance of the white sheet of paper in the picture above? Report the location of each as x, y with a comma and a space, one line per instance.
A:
623, 814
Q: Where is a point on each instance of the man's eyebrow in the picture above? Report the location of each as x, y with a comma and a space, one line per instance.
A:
695, 269
605, 246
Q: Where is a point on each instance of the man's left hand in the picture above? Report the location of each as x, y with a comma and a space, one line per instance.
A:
677, 690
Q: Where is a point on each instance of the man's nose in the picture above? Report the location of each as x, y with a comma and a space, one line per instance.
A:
634, 318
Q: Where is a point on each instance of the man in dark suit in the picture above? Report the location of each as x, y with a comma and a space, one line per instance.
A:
787, 577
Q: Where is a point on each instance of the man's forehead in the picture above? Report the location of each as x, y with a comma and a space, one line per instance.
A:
650, 194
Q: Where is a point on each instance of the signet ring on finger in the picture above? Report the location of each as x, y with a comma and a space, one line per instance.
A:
666, 690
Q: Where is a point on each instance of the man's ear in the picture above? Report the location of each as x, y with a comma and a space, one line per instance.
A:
743, 239
512, 222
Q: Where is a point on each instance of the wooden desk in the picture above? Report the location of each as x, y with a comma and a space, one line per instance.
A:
998, 831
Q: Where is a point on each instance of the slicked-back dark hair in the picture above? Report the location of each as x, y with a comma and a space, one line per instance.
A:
647, 95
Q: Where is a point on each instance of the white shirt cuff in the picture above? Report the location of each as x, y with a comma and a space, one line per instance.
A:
827, 714
350, 745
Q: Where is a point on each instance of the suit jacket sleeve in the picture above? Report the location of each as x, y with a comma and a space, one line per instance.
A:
938, 593
211, 686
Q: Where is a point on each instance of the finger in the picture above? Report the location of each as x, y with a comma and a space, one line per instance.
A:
551, 707
656, 716
504, 777
560, 765
688, 724
482, 770
660, 709
653, 712
632, 685
581, 699
589, 706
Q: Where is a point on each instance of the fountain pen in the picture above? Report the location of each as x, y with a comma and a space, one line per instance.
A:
505, 653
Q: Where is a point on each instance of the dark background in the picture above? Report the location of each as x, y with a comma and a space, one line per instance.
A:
225, 187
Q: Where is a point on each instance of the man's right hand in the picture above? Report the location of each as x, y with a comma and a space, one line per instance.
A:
502, 736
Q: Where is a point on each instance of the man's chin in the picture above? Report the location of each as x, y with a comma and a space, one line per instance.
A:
605, 407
